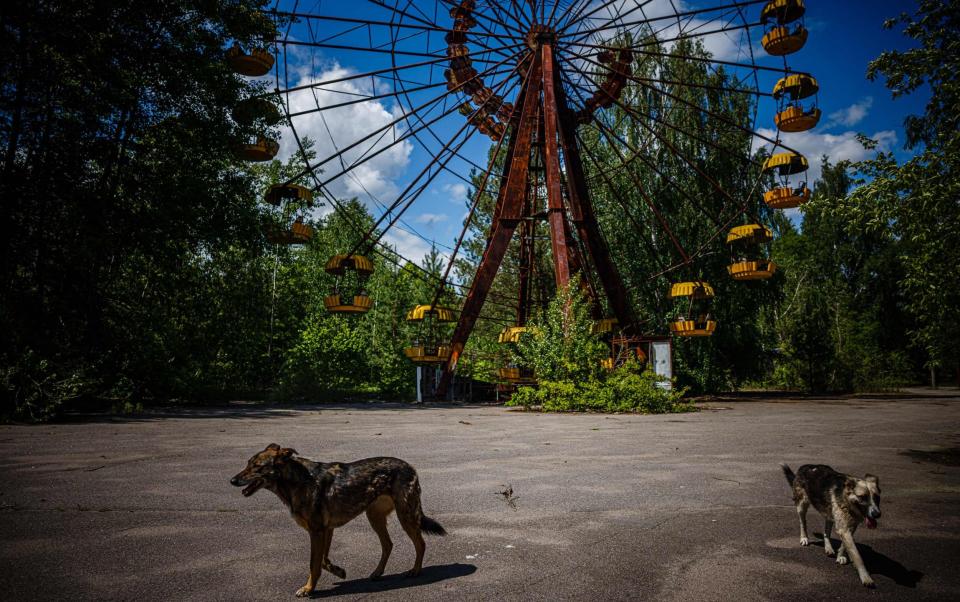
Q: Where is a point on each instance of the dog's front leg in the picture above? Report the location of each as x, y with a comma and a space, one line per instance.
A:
802, 513
851, 548
317, 554
842, 550
827, 544
327, 565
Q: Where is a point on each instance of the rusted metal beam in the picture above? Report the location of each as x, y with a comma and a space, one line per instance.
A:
526, 262
551, 159
507, 215
582, 214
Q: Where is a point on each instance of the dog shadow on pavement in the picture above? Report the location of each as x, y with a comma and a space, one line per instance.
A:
881, 564
429, 574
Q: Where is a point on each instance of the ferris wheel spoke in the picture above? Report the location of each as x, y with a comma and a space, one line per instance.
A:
391, 51
361, 98
389, 254
612, 137
640, 187
571, 15
404, 14
384, 24
414, 193
389, 126
698, 59
435, 158
641, 119
356, 76
587, 16
704, 110
620, 197
582, 34
659, 41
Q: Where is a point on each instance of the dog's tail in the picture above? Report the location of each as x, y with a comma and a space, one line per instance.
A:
788, 473
432, 527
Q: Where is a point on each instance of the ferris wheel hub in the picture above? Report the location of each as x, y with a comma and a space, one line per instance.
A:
540, 35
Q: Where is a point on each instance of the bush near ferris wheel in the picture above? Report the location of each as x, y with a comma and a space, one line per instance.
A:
565, 354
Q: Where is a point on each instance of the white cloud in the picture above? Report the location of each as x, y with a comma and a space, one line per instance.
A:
730, 45
430, 218
457, 192
851, 115
340, 127
409, 245
837, 147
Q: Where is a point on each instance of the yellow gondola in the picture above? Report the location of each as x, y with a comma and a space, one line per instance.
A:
255, 63
264, 149
786, 164
792, 116
697, 289
782, 11
427, 353
797, 119
517, 376
702, 326
278, 193
342, 266
784, 195
747, 265
336, 304
511, 334
699, 294
780, 41
426, 348
338, 265
298, 234
604, 326
422, 313
251, 110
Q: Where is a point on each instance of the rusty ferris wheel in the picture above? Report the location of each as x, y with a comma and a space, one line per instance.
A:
527, 78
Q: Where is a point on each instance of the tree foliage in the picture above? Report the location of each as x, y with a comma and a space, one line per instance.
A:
916, 203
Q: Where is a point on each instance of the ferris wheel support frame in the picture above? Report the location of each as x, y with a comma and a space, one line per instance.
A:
512, 208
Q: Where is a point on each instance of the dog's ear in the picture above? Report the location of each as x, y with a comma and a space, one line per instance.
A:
285, 452
872, 479
273, 446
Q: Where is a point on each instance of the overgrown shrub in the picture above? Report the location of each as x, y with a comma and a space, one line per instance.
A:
565, 356
629, 388
559, 345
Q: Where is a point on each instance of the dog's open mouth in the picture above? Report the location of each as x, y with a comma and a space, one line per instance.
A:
871, 523
252, 488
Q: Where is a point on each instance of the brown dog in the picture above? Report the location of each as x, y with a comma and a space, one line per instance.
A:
323, 496
843, 500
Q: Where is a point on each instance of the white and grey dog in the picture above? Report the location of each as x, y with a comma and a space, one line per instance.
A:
844, 501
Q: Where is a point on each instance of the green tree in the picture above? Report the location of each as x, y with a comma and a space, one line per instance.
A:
840, 324
116, 174
916, 202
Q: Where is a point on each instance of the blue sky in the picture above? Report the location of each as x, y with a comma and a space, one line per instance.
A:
844, 37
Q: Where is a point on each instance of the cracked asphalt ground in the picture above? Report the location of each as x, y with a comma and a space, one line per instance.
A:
678, 507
